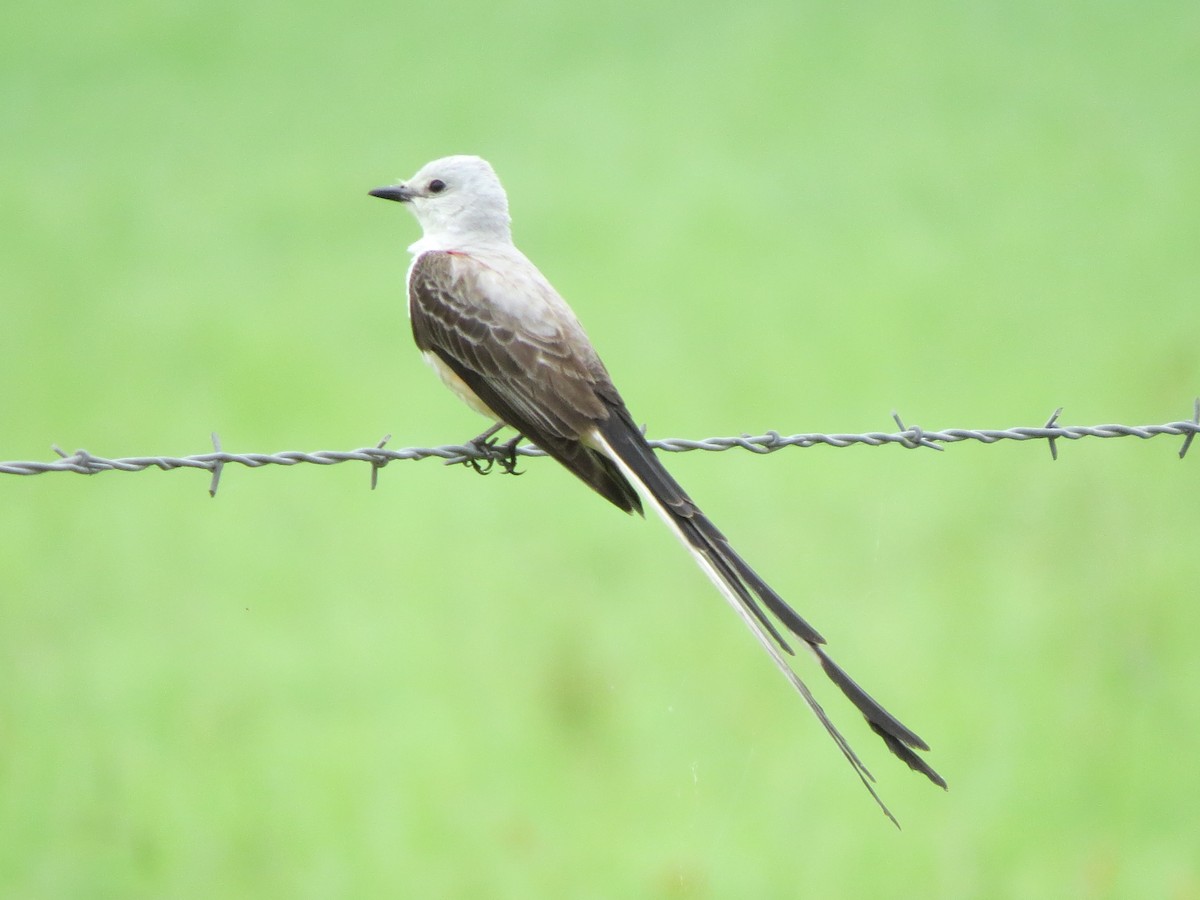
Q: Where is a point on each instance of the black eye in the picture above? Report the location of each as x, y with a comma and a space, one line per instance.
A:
437, 186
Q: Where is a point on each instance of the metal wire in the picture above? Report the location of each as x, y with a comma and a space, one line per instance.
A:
85, 463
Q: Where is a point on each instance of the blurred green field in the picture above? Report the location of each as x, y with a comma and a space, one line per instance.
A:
769, 216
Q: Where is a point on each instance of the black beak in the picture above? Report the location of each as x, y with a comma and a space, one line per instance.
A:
397, 192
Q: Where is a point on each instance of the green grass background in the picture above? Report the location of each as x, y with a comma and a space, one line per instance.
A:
792, 216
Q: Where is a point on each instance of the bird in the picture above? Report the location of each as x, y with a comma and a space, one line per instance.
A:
506, 343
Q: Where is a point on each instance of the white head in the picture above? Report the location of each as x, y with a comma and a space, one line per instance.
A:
457, 200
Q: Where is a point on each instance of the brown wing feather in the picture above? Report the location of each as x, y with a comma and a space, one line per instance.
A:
548, 386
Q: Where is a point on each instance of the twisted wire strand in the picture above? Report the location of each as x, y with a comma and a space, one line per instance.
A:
85, 463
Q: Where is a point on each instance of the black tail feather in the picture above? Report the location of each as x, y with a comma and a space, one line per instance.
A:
626, 441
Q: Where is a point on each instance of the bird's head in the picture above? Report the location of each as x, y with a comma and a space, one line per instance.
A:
456, 199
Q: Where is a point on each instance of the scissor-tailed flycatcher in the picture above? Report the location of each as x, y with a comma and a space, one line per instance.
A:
503, 340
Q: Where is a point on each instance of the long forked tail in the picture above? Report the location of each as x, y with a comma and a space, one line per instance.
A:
748, 594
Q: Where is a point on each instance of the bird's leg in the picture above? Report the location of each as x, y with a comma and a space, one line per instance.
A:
484, 443
508, 459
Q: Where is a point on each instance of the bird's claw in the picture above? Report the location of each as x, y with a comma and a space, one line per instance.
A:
494, 452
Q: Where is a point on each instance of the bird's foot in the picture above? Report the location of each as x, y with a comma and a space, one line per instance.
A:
508, 456
494, 452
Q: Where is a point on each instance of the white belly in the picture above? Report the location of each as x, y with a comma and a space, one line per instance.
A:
456, 384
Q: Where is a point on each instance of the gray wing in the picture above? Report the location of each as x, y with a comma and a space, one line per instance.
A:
542, 378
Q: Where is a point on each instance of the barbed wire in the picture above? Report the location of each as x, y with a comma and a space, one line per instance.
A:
481, 454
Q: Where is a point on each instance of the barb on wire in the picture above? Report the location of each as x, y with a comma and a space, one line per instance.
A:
1050, 424
84, 463
915, 436
377, 464
217, 469
1187, 441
